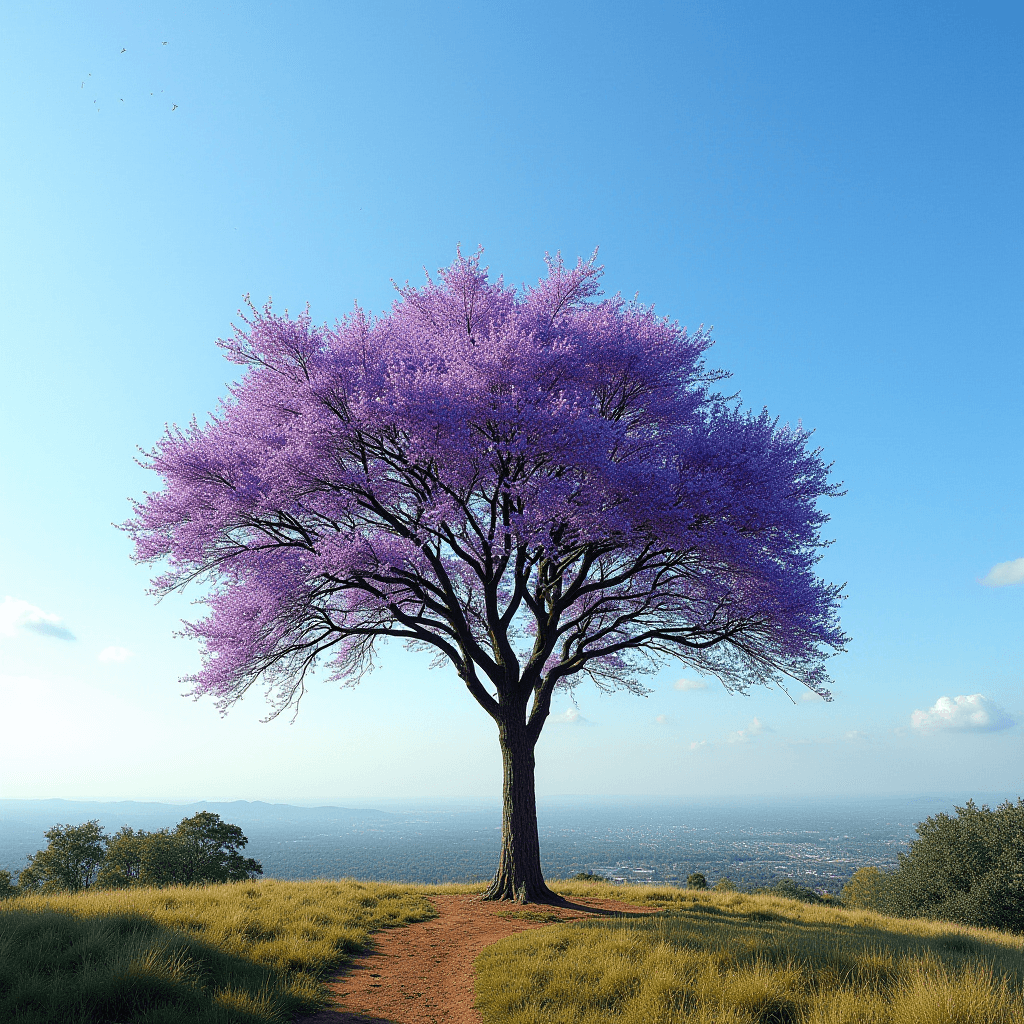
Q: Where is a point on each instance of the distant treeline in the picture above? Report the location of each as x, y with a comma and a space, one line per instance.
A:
201, 849
967, 867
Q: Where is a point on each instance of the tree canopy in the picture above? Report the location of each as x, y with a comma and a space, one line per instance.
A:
538, 485
70, 860
966, 867
199, 850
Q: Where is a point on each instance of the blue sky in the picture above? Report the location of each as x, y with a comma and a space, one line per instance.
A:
837, 188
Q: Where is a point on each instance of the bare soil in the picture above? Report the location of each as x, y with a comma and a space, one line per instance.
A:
423, 973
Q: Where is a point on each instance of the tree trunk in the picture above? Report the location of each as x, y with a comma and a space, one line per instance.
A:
519, 877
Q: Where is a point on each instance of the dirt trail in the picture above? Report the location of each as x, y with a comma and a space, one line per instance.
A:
423, 973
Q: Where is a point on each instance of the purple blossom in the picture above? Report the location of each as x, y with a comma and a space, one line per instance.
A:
539, 485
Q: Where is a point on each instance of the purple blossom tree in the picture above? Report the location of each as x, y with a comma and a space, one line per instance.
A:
537, 486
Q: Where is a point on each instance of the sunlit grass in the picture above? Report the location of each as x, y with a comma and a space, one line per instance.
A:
244, 952
731, 957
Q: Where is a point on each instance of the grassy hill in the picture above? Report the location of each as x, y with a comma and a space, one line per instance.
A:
255, 952
711, 958
250, 952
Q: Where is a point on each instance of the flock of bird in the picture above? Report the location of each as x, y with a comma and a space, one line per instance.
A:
124, 49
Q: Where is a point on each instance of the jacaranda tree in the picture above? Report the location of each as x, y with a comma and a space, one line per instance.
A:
537, 486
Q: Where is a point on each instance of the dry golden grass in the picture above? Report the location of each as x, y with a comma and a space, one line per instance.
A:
248, 951
711, 958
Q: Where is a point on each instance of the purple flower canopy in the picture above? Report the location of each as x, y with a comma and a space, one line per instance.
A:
539, 485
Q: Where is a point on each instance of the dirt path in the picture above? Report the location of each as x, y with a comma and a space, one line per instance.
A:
423, 973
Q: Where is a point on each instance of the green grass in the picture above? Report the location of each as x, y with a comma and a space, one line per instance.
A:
712, 958
251, 952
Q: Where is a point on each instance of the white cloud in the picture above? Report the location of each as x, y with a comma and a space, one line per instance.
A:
17, 615
974, 713
662, 719
811, 695
689, 684
570, 717
1005, 574
114, 654
855, 735
756, 728
697, 744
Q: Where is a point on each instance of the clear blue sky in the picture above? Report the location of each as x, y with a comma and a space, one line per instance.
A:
837, 188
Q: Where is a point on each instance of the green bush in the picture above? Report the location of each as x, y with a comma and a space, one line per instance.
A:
696, 881
967, 868
7, 887
791, 890
868, 889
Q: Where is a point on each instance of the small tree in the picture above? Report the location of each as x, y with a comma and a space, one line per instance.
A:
536, 487
7, 887
868, 889
209, 850
724, 885
696, 881
70, 861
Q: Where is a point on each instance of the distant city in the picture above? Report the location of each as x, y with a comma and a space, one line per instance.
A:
753, 844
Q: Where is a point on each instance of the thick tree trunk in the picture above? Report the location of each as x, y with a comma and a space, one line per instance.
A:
519, 877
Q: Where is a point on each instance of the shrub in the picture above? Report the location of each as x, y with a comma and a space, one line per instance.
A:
725, 885
965, 868
791, 890
7, 887
585, 876
868, 889
696, 881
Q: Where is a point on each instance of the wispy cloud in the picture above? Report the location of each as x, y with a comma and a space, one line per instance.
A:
974, 713
697, 744
114, 654
663, 719
756, 728
689, 684
16, 615
811, 695
1005, 574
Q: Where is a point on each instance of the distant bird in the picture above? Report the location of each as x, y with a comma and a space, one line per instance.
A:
163, 44
175, 107
83, 85
123, 50
122, 101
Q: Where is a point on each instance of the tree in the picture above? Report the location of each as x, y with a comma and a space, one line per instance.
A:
70, 861
7, 887
868, 889
209, 851
696, 881
536, 486
200, 850
967, 867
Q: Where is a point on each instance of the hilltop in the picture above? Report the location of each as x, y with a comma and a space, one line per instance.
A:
261, 952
